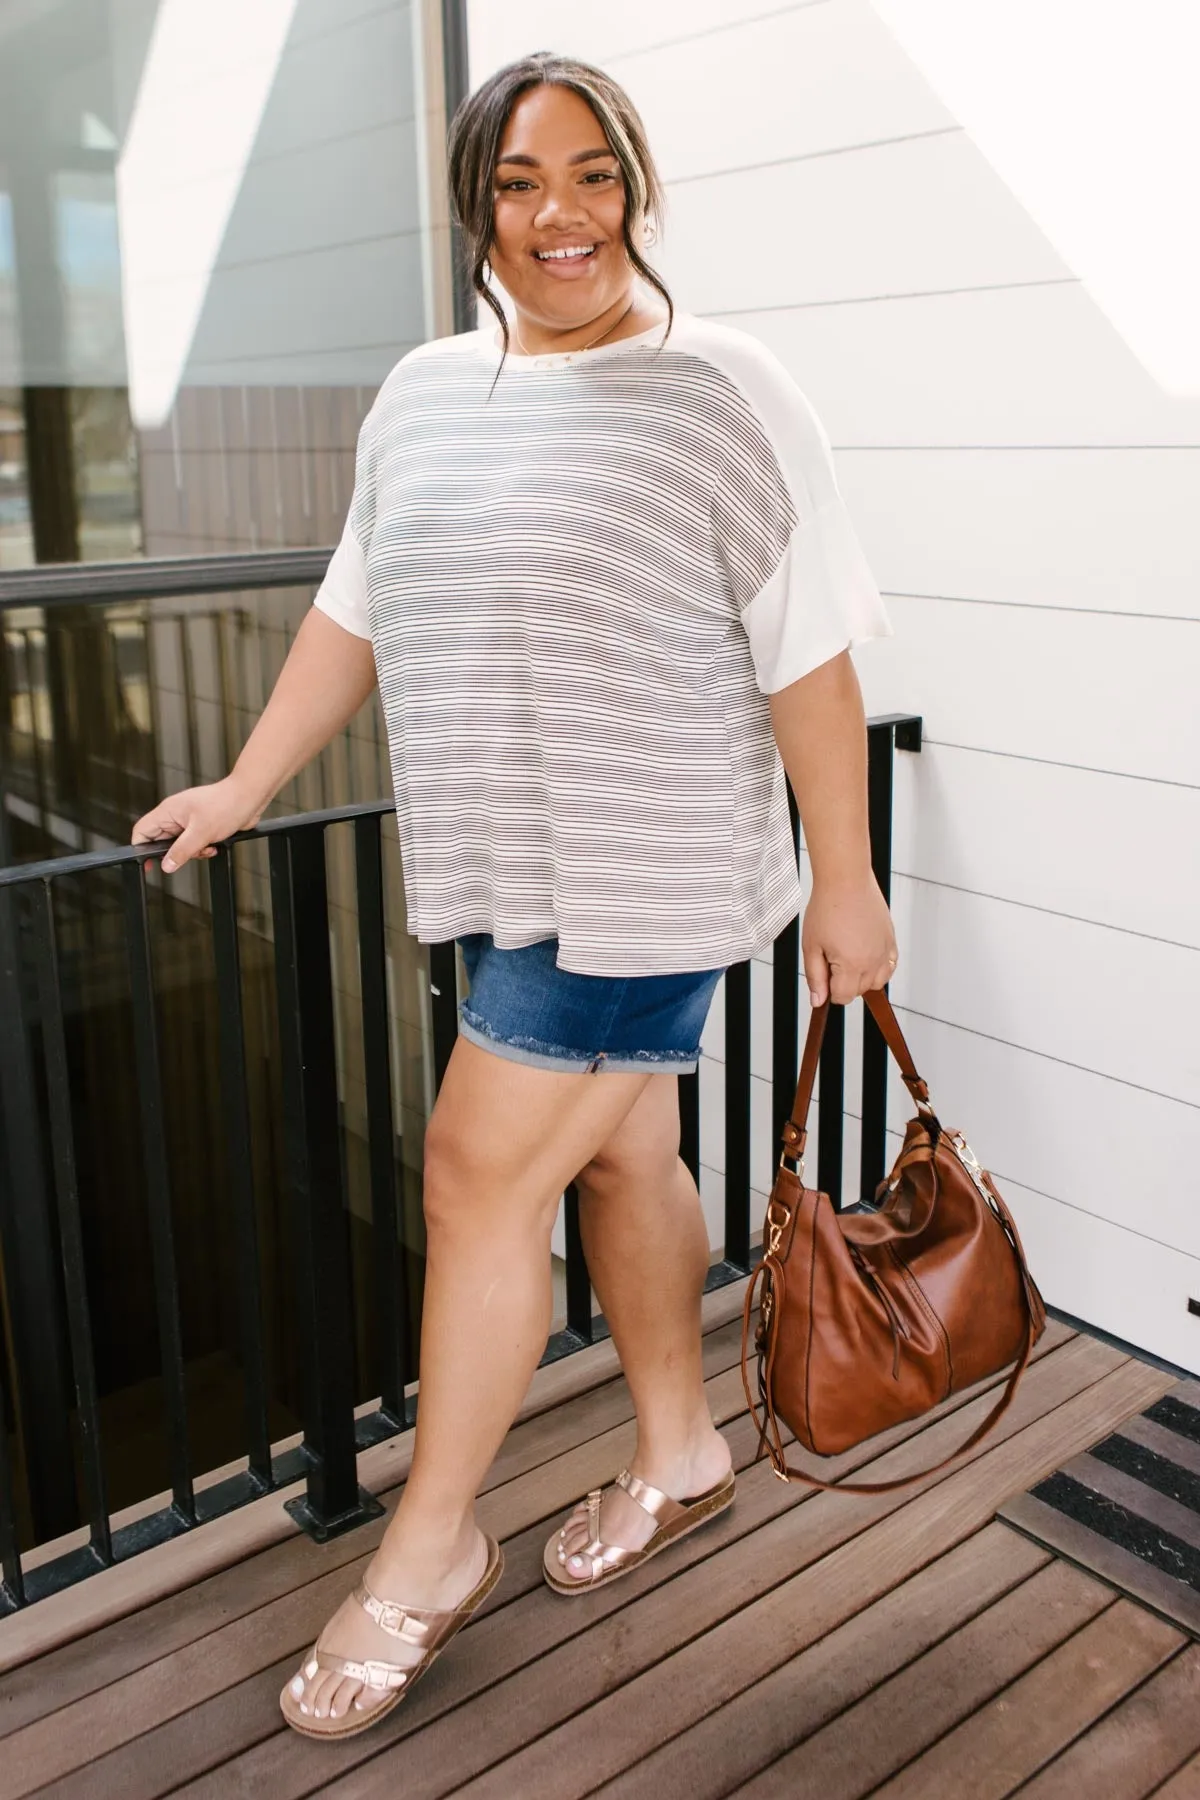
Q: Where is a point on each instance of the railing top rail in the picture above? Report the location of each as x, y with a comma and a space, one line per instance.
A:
161, 577
57, 866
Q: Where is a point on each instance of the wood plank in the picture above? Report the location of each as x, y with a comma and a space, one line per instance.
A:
1161, 1592
77, 1732
1005, 1743
94, 1661
750, 1731
209, 1731
863, 1745
1137, 1746
169, 1568
499, 1644
1185, 1785
773, 1625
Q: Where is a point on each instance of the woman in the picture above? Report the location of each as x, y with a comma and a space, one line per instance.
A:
606, 582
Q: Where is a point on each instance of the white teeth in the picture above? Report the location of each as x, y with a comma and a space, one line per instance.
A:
561, 255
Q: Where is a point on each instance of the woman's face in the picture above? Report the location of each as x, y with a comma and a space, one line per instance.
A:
558, 187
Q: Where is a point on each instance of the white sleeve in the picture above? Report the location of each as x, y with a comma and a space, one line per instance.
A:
343, 593
821, 599
800, 579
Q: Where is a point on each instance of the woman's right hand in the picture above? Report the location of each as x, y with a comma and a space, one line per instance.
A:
197, 818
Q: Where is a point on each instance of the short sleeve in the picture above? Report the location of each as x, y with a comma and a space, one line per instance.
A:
343, 592
798, 575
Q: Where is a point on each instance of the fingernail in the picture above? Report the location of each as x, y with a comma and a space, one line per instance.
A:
297, 1685
168, 863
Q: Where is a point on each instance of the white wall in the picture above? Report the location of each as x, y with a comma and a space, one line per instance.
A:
1026, 495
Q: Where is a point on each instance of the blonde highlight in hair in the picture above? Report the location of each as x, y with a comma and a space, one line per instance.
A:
474, 144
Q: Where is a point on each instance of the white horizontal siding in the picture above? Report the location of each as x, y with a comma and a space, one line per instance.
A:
1109, 1276
1089, 530
1099, 999
1093, 690
1046, 835
1016, 368
933, 217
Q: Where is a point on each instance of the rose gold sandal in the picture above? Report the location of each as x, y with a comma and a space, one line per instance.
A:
675, 1518
422, 1626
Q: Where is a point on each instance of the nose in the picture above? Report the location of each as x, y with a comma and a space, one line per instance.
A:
561, 207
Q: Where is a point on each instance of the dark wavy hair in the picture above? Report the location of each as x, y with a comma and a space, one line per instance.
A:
474, 142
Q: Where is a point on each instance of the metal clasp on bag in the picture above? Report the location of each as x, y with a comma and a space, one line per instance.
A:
971, 1164
776, 1227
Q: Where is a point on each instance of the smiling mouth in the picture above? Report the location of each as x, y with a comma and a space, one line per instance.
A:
569, 253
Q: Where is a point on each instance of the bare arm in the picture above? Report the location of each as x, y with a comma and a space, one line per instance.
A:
327, 676
820, 728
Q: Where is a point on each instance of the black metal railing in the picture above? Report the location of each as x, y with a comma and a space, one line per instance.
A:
53, 1383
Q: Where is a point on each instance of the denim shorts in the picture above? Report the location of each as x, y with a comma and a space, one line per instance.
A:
522, 1006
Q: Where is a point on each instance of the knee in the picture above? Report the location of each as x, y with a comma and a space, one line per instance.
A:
617, 1171
451, 1178
468, 1188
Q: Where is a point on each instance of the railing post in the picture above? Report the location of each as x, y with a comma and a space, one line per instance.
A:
391, 1288
334, 1502
737, 1118
892, 731
42, 1384
785, 1009
689, 1122
235, 1114
443, 997
579, 1283
157, 1164
12, 1581
831, 1106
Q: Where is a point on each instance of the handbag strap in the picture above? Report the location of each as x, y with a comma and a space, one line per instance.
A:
771, 1438
795, 1130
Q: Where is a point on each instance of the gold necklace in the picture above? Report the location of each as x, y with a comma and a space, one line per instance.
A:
578, 347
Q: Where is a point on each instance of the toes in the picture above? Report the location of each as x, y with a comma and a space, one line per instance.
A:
369, 1697
320, 1693
343, 1697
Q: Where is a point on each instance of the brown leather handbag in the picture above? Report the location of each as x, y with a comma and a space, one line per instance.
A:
869, 1318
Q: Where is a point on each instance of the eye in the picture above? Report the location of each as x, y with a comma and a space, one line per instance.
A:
519, 182
601, 175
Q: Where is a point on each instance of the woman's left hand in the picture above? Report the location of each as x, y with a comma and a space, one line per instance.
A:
848, 940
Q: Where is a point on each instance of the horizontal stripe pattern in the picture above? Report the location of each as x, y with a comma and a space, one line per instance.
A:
559, 577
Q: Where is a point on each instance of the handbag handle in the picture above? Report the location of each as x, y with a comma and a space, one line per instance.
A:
795, 1130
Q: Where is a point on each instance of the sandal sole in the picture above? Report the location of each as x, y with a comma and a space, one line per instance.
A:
706, 1510
473, 1602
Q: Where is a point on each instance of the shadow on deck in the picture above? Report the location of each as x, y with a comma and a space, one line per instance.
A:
804, 1644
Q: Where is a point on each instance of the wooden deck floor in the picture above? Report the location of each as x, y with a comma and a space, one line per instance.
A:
803, 1644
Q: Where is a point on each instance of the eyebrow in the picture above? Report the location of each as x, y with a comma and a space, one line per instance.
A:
531, 162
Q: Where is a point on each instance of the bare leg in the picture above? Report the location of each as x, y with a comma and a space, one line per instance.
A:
647, 1252
503, 1142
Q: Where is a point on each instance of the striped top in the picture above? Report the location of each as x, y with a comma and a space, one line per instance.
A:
580, 592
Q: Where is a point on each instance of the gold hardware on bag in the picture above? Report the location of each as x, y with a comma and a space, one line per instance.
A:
970, 1163
776, 1227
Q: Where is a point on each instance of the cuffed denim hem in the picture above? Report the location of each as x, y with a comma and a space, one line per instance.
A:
540, 1055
